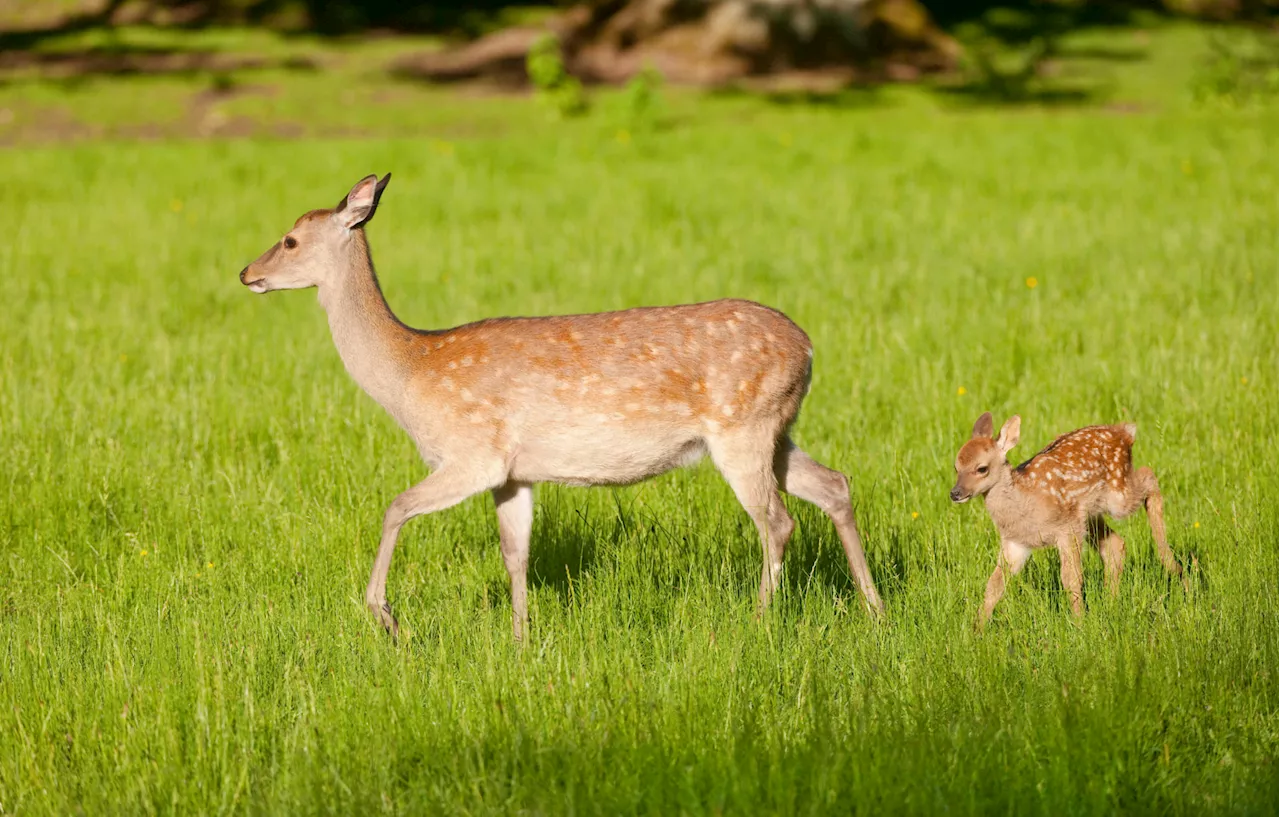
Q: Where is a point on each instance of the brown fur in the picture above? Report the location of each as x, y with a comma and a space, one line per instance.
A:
1060, 498
606, 398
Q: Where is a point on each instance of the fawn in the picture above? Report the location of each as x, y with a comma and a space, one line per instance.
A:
1059, 497
600, 399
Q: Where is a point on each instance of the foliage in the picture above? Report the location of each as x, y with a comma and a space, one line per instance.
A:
554, 87
1239, 68
641, 98
1005, 50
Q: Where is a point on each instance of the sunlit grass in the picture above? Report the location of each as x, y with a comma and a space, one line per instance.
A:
192, 487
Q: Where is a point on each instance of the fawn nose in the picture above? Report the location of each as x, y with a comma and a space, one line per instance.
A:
243, 273
955, 494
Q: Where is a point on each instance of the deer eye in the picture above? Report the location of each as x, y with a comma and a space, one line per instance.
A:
290, 242
982, 469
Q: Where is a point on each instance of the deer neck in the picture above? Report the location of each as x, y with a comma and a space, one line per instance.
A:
1003, 500
370, 339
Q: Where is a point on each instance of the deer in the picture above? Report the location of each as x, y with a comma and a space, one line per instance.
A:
1060, 498
610, 398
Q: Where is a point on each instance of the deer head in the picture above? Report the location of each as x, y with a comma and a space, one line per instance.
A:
981, 462
315, 251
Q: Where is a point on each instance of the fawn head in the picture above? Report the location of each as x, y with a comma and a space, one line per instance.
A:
981, 460
314, 252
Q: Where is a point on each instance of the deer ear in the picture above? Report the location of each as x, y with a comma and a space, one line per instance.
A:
361, 203
1009, 433
982, 428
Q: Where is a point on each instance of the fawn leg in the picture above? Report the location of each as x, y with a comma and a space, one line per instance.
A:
1013, 557
801, 476
746, 461
444, 488
1110, 548
1148, 490
1072, 572
514, 504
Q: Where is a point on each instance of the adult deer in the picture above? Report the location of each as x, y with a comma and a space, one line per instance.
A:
602, 399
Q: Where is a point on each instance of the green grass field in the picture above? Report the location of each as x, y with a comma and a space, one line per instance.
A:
192, 487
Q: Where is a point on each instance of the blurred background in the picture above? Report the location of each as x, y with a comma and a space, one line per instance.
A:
255, 67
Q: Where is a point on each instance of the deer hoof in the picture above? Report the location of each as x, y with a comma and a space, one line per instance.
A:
382, 612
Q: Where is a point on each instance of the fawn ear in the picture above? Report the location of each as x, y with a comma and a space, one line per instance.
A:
1009, 434
361, 203
982, 428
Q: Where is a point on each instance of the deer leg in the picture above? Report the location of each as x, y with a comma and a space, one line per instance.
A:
1111, 548
746, 463
1013, 557
1072, 572
1144, 484
443, 489
801, 476
514, 503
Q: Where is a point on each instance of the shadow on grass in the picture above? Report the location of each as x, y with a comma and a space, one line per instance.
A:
125, 60
863, 95
1016, 53
563, 553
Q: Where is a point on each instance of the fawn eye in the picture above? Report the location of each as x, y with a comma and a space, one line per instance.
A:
982, 469
290, 242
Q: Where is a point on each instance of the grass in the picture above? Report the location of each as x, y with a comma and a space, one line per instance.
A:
192, 486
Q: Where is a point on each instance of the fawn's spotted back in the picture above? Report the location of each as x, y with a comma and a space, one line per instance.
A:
1079, 462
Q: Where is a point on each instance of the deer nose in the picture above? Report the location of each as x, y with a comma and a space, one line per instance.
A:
243, 273
955, 494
